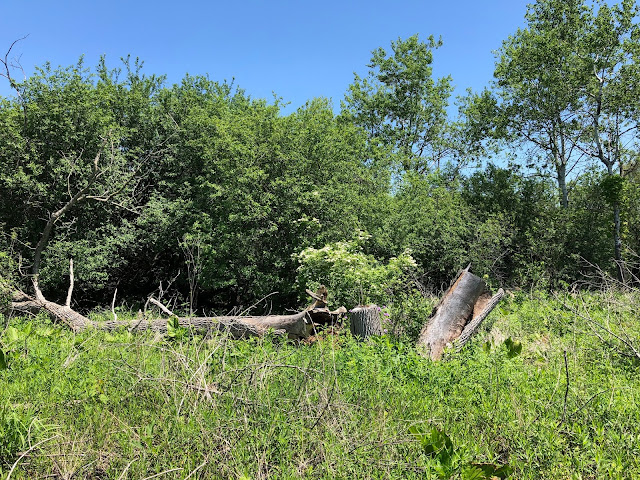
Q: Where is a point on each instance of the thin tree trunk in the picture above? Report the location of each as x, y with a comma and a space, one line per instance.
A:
561, 170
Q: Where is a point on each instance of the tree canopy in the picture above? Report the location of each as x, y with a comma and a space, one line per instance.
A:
203, 187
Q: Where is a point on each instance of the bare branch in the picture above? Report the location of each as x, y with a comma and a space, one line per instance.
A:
113, 305
71, 282
8, 64
161, 306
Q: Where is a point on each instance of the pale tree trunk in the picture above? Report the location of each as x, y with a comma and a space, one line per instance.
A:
561, 170
23, 303
364, 321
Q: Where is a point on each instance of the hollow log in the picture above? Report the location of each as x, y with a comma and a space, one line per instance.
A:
364, 321
462, 308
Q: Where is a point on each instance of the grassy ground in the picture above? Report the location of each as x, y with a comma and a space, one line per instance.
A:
99, 405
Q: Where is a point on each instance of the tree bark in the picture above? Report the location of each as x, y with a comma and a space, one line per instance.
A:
466, 300
472, 327
364, 321
561, 170
62, 313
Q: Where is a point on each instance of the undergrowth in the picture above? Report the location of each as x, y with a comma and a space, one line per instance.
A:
115, 405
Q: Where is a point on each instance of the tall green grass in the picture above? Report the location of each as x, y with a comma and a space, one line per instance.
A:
114, 405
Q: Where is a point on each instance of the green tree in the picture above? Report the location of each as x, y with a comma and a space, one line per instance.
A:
258, 186
401, 107
75, 148
538, 88
568, 87
611, 112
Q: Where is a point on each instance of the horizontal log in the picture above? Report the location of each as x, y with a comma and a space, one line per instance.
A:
295, 326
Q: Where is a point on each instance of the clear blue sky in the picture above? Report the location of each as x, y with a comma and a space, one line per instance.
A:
297, 49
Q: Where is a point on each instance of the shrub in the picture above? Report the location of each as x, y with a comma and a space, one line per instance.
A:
352, 276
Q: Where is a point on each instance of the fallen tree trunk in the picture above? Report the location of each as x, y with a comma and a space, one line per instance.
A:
462, 309
23, 303
298, 325
295, 326
364, 321
472, 327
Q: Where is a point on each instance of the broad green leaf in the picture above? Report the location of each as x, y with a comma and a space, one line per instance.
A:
436, 443
473, 473
27, 329
173, 327
491, 470
11, 335
513, 348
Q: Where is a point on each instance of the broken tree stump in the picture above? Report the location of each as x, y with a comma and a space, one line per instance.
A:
364, 321
460, 311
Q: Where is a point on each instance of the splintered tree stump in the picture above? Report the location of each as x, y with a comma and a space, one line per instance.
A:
459, 313
364, 321
478, 317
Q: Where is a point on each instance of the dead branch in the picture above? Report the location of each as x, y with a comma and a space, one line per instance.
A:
113, 305
71, 282
160, 306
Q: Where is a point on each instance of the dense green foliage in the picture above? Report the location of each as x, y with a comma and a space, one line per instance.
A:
105, 403
201, 183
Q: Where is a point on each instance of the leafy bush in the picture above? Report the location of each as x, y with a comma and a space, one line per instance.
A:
352, 276
409, 312
6, 279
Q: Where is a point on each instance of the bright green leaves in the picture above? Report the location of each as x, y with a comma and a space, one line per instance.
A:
438, 446
352, 276
486, 471
435, 444
174, 330
11, 341
513, 348
11, 336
